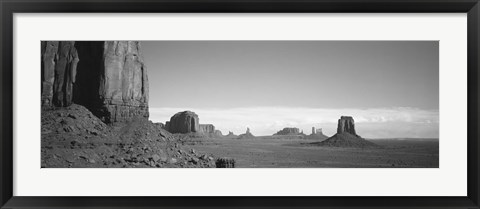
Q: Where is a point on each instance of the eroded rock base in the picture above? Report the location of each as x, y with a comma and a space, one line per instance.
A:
73, 137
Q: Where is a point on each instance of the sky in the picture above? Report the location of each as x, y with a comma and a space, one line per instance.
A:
390, 88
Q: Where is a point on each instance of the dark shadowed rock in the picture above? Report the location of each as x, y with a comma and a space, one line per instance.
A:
346, 124
121, 80
107, 77
225, 162
184, 122
288, 131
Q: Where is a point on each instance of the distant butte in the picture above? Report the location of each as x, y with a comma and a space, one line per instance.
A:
346, 136
187, 122
183, 122
288, 131
317, 134
246, 135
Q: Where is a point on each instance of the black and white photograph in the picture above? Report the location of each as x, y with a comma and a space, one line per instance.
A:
240, 104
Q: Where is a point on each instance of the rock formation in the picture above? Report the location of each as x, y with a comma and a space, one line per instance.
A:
84, 85
59, 67
107, 77
160, 125
246, 135
184, 122
231, 135
319, 130
317, 134
225, 162
167, 125
218, 133
207, 128
187, 122
346, 124
346, 136
73, 137
288, 131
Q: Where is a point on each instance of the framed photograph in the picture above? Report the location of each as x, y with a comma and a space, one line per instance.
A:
344, 104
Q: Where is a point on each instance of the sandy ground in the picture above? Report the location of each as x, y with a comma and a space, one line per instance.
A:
297, 153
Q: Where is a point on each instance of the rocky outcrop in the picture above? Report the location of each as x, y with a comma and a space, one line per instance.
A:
184, 122
107, 77
231, 135
59, 67
73, 137
207, 128
346, 136
317, 134
246, 135
167, 125
288, 131
160, 125
187, 122
319, 130
122, 82
346, 124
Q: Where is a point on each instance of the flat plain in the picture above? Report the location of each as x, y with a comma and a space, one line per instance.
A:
267, 152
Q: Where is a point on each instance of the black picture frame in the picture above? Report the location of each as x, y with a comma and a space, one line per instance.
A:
9, 7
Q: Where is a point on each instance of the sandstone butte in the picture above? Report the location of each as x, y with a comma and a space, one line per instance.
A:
346, 136
107, 77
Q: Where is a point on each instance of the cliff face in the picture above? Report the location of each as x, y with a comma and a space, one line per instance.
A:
107, 77
346, 124
187, 122
288, 131
346, 136
123, 83
59, 66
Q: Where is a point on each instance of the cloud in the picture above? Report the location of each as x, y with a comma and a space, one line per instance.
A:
371, 123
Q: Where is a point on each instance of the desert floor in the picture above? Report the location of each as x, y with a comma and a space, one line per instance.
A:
298, 153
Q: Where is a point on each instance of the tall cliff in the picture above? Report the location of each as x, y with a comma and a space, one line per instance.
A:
107, 77
346, 124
